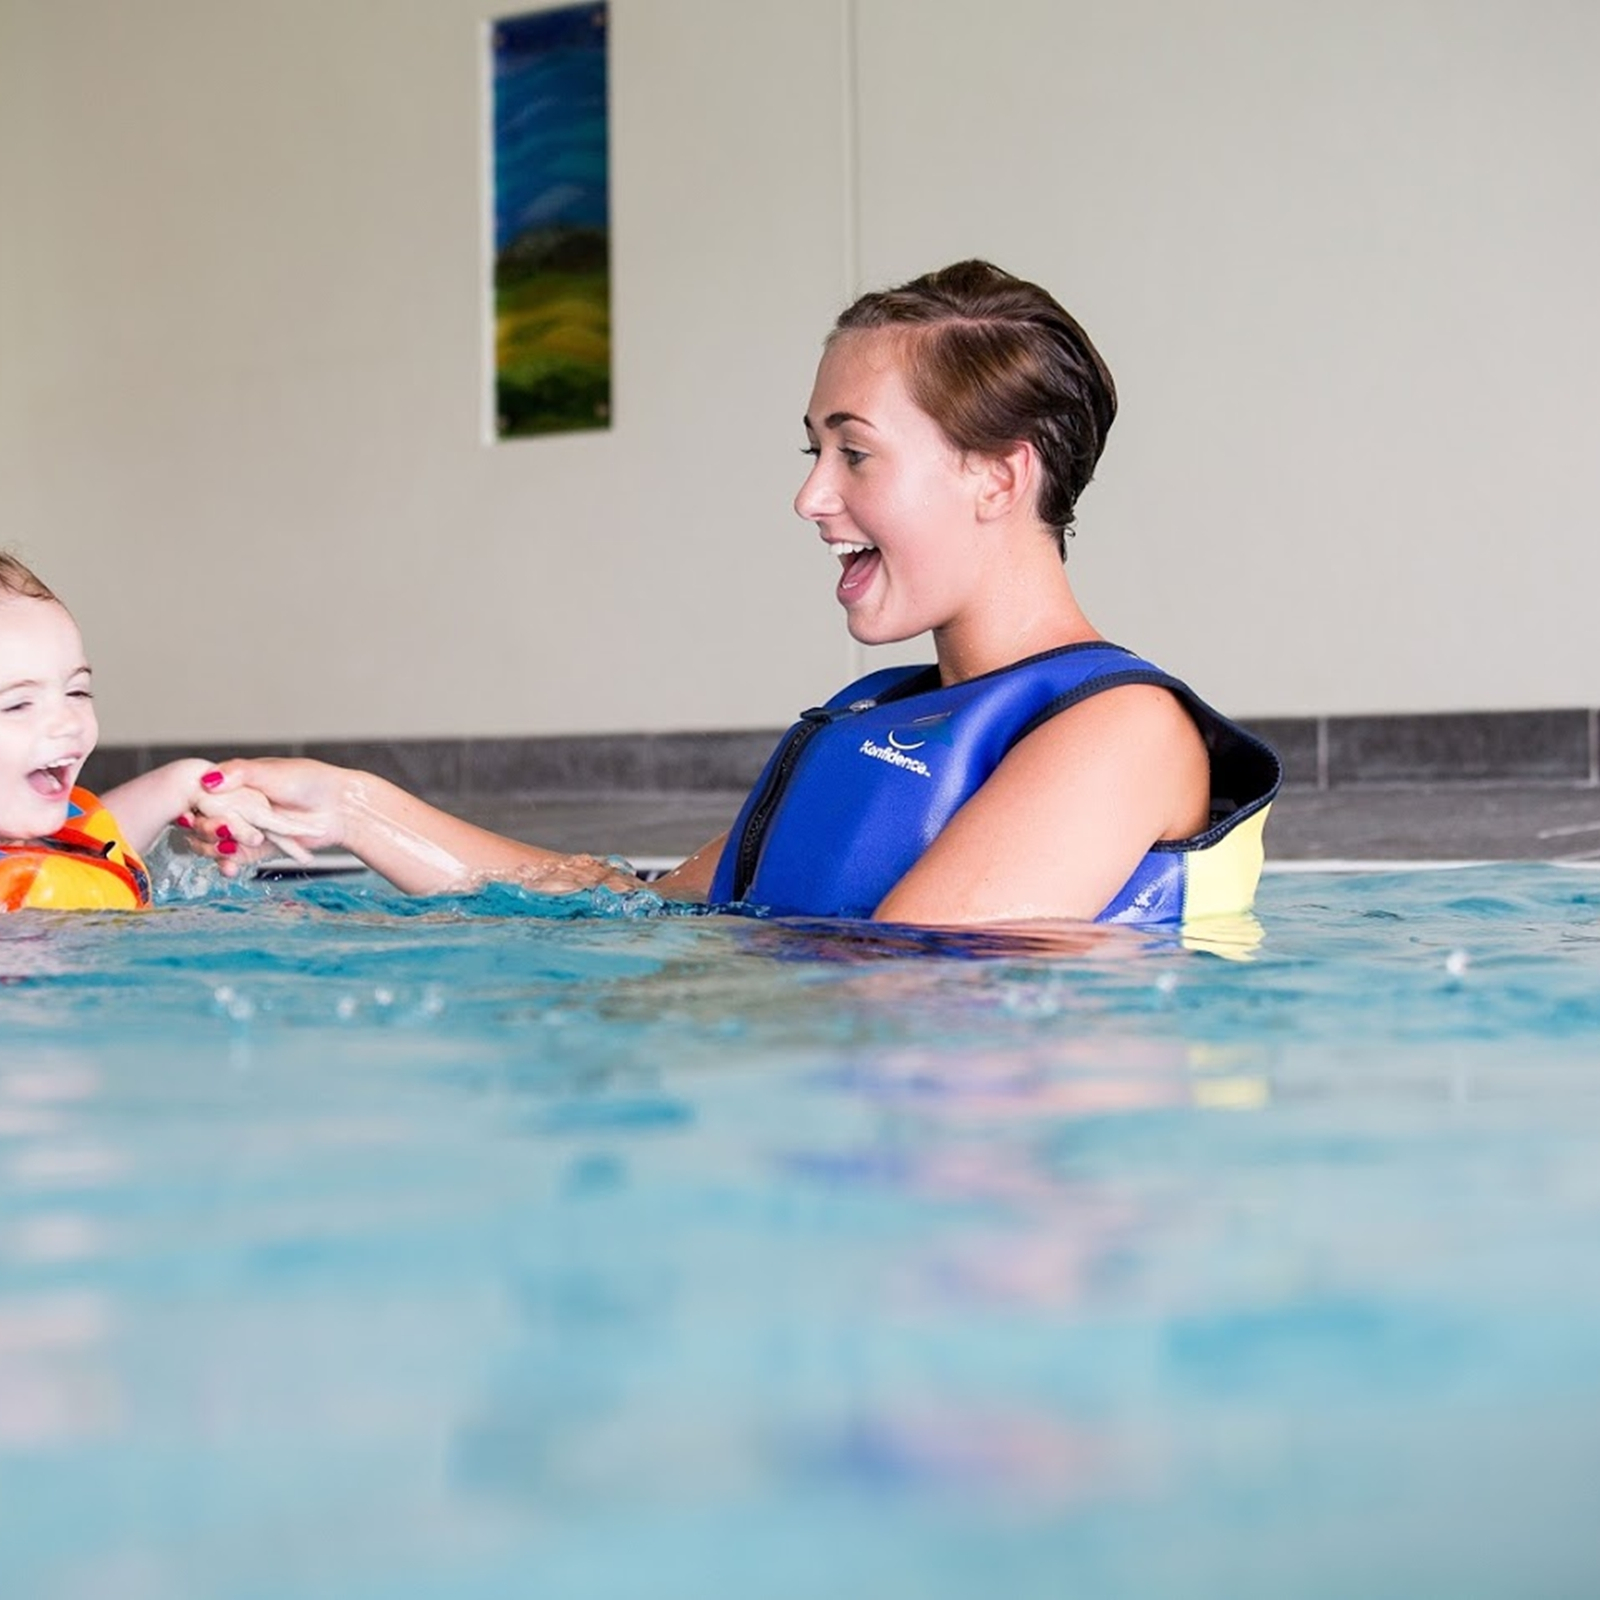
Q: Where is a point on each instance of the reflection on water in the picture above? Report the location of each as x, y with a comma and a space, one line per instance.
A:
353, 1247
1234, 937
56, 1387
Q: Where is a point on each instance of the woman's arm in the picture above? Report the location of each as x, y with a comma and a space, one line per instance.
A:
420, 848
1061, 824
691, 879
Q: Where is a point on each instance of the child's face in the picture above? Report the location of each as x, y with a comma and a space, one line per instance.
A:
47, 720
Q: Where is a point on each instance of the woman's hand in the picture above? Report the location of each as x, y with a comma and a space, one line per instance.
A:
244, 821
284, 811
290, 802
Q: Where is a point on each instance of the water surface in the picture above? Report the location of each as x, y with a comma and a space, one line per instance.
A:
354, 1246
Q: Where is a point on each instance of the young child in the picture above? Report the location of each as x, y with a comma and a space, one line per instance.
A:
60, 846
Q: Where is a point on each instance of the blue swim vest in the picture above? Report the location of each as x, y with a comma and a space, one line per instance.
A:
861, 786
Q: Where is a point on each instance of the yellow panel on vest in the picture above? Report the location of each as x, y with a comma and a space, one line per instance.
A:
1223, 878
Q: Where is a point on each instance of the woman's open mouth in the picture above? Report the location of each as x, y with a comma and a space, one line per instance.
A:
860, 562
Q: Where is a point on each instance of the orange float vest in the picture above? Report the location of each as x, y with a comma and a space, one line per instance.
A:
85, 866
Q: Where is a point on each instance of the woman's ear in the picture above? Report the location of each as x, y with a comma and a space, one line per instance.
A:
1009, 482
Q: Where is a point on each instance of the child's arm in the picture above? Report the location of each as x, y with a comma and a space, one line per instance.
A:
143, 806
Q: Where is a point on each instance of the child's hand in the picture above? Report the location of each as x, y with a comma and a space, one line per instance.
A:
244, 821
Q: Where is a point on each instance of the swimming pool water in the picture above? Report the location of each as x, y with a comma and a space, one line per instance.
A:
352, 1246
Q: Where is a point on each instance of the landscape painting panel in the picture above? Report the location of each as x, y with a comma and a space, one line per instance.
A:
552, 257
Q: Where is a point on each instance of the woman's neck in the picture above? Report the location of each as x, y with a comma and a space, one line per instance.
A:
1029, 609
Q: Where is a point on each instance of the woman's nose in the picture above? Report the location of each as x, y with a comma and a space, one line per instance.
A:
816, 498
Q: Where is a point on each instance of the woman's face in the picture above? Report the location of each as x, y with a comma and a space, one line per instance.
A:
891, 496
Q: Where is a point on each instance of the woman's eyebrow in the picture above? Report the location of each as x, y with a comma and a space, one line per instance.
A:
837, 419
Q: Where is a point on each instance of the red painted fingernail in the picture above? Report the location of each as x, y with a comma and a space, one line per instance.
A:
226, 847
210, 780
225, 833
185, 821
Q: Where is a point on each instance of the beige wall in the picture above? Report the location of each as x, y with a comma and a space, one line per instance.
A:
1340, 258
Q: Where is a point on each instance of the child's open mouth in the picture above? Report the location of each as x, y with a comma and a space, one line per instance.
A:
54, 783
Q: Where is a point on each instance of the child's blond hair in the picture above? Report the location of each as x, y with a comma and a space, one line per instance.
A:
21, 581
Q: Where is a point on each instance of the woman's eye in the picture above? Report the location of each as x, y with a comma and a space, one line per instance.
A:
17, 705
853, 457
80, 694
810, 450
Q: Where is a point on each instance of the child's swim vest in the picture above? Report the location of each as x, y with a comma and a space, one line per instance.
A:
860, 787
86, 866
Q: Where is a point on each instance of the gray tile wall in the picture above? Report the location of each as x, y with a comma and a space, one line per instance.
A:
602, 764
1556, 747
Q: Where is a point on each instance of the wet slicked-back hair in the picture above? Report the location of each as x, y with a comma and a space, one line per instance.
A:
18, 580
995, 361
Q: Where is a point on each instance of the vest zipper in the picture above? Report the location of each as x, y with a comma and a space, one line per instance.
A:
810, 724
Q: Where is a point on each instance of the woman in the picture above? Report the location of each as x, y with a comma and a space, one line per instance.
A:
1034, 771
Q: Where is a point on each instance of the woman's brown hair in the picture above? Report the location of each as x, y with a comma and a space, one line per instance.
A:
995, 360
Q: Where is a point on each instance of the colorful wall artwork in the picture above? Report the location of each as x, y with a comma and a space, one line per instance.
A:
552, 257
